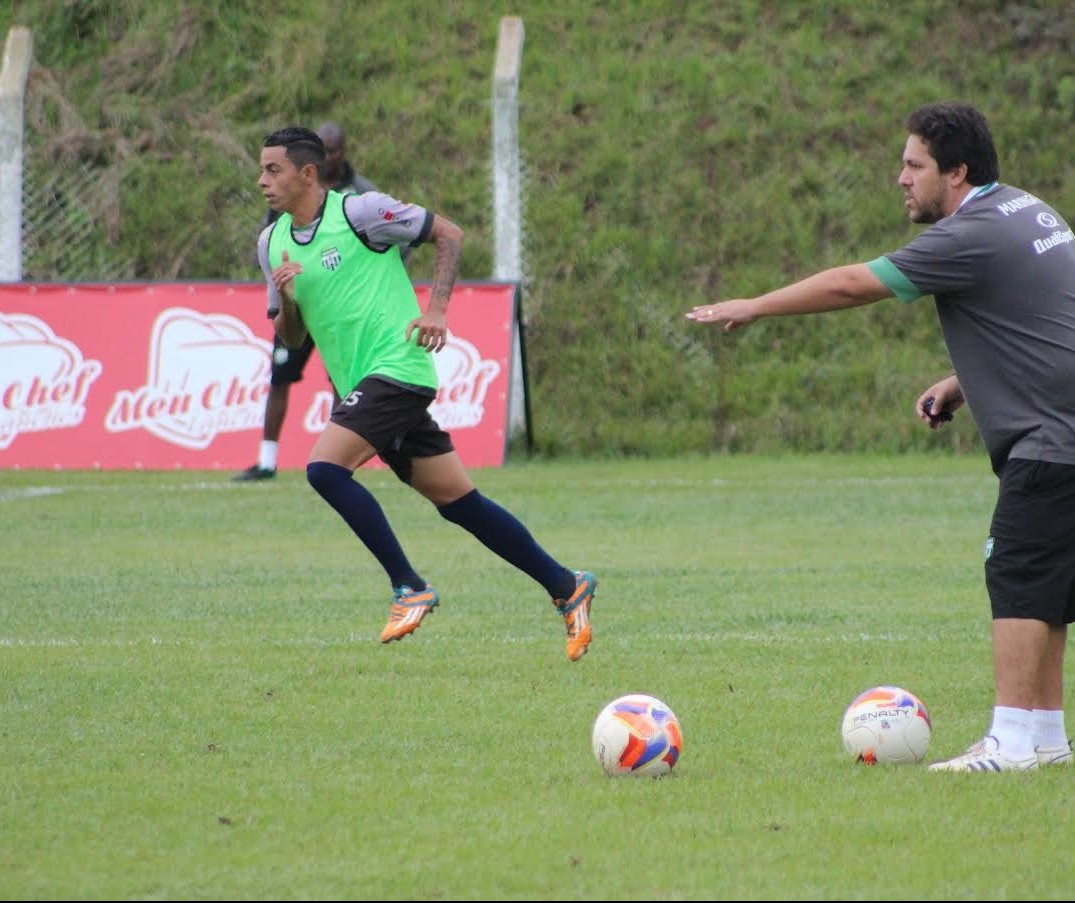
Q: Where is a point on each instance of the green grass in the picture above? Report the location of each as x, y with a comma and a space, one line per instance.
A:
194, 703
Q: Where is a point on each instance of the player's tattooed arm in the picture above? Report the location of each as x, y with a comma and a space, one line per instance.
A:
447, 239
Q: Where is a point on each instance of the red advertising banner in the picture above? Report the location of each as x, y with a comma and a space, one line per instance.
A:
170, 376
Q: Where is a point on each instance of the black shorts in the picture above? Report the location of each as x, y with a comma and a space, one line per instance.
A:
395, 420
1030, 552
288, 363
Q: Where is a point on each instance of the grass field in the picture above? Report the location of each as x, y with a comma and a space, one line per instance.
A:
194, 703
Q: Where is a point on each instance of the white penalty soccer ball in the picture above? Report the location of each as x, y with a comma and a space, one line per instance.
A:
637, 734
886, 726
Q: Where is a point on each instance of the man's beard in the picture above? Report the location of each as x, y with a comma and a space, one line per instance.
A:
928, 213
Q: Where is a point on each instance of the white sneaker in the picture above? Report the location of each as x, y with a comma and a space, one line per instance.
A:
1055, 755
985, 756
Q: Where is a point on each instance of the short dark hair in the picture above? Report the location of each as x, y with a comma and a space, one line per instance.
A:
301, 145
957, 133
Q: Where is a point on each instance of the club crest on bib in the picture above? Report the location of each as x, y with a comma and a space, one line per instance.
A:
330, 258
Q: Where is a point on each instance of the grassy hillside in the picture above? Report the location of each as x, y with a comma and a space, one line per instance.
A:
675, 152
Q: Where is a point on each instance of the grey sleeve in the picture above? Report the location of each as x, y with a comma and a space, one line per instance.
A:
943, 259
273, 296
381, 220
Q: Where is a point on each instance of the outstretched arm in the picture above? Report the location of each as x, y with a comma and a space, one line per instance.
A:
833, 289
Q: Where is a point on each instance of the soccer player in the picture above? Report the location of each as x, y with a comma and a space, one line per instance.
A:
1000, 265
333, 267
289, 364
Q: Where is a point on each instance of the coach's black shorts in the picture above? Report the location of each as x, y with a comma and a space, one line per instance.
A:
288, 363
395, 420
1030, 552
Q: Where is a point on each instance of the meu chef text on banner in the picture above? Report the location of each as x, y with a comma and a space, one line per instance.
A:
161, 376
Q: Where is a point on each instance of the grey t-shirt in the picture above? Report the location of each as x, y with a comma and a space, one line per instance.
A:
378, 220
1002, 273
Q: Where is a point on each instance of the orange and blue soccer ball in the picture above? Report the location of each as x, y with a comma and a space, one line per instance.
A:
637, 734
886, 725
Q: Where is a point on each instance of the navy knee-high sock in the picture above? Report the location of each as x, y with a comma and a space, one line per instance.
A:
502, 532
356, 505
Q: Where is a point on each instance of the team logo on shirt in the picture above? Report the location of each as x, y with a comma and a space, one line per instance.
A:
330, 258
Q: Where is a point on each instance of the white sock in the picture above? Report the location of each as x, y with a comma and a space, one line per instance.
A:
267, 454
1049, 728
1013, 729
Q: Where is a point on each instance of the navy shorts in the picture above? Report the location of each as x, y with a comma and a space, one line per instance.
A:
1030, 552
395, 420
288, 363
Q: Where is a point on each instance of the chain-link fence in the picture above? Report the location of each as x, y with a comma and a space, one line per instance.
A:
64, 235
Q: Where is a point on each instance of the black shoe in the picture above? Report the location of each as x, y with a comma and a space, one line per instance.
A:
255, 473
